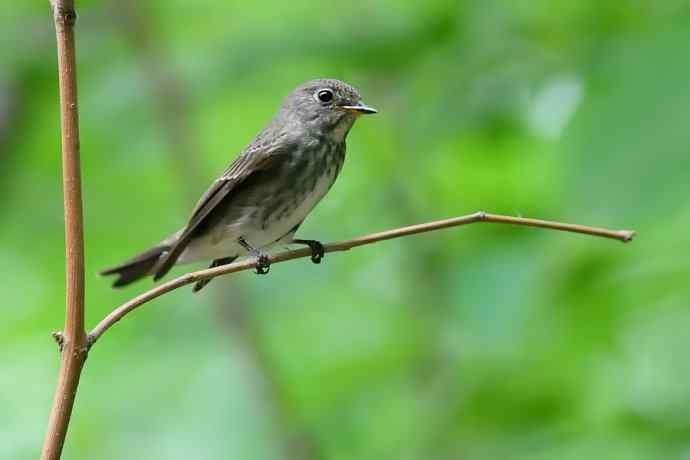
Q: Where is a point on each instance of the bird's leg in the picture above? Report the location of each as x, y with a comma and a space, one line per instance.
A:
316, 247
216, 263
263, 265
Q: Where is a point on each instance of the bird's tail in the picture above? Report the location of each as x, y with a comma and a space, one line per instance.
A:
137, 267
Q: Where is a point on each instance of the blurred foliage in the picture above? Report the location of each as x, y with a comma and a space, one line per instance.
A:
479, 343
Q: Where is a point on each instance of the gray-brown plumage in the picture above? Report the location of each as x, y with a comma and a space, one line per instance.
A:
263, 197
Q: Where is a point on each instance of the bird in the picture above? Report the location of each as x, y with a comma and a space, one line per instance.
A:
263, 197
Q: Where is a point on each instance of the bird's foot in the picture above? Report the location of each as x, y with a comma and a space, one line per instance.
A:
317, 250
216, 263
263, 264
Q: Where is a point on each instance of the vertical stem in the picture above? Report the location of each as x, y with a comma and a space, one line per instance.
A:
73, 343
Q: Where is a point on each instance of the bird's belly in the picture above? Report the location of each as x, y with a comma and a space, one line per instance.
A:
278, 224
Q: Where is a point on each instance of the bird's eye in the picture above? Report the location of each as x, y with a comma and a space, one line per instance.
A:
324, 95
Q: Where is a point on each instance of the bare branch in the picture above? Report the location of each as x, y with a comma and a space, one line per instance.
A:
73, 342
117, 314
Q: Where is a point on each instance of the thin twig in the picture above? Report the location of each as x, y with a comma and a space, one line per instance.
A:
73, 342
124, 309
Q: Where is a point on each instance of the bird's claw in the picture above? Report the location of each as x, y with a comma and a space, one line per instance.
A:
263, 264
317, 251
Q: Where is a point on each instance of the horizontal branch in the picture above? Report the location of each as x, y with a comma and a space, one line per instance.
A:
189, 278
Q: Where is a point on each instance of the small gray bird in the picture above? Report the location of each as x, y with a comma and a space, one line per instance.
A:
264, 196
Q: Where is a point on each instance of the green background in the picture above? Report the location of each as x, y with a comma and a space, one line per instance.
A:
484, 342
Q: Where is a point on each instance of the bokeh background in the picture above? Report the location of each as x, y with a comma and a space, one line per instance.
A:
483, 342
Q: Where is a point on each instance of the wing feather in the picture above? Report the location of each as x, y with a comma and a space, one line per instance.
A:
257, 157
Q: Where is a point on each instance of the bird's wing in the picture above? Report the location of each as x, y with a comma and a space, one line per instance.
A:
257, 157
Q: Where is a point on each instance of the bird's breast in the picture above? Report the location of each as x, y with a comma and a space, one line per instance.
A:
310, 178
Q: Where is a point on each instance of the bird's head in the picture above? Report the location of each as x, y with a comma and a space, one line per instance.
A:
326, 106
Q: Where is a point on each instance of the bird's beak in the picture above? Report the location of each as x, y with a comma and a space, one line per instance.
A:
359, 109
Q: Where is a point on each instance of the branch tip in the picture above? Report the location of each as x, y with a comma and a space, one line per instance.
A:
628, 235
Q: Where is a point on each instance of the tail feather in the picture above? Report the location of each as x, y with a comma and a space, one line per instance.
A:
137, 267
